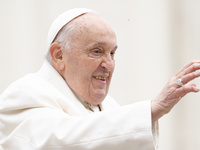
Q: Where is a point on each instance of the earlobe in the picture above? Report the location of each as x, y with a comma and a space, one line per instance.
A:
57, 56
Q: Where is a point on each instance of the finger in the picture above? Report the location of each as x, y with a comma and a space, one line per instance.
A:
188, 88
188, 68
192, 68
193, 87
187, 78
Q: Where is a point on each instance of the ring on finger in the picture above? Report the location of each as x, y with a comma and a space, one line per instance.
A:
179, 82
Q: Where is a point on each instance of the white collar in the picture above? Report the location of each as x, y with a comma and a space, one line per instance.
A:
49, 73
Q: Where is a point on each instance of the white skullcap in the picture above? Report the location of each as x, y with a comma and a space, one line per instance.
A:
62, 20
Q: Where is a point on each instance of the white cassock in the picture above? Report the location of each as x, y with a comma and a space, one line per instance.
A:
40, 112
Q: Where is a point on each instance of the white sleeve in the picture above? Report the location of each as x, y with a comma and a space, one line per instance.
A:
128, 128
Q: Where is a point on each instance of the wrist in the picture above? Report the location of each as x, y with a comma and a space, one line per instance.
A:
156, 111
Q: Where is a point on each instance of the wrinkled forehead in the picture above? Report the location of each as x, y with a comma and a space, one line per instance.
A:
91, 22
90, 29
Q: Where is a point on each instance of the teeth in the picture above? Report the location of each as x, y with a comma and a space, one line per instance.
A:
101, 78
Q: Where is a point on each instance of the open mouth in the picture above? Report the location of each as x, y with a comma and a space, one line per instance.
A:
101, 78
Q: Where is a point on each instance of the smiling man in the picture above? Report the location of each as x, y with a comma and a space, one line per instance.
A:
86, 60
65, 105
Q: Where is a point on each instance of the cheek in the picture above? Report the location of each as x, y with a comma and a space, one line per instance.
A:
81, 67
91, 64
89, 69
86, 68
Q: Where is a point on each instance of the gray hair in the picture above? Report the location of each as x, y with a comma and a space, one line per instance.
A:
65, 35
64, 38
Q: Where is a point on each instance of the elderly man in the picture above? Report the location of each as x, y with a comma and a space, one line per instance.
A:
65, 104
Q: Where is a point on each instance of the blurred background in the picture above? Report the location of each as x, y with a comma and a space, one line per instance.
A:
155, 38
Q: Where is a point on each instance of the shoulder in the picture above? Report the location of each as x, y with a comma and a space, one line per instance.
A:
28, 92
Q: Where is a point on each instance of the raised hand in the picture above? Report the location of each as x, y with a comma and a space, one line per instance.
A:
177, 87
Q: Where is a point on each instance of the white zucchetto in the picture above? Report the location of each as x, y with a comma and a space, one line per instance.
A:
62, 20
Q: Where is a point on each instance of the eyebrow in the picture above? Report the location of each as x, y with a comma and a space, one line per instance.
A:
115, 48
102, 43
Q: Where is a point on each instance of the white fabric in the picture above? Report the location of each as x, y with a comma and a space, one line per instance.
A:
39, 111
62, 20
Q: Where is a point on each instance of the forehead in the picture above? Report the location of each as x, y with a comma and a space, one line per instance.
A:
93, 28
90, 19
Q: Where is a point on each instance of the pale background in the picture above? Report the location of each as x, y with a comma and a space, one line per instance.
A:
155, 37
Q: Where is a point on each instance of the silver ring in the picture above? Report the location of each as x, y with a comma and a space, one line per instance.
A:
179, 82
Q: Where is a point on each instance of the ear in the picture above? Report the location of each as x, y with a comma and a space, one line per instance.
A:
56, 53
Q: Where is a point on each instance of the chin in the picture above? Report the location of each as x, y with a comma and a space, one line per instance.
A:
98, 99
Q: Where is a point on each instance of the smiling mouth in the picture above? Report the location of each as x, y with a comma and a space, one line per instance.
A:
101, 78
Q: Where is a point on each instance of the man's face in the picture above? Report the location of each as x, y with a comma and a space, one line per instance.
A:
90, 64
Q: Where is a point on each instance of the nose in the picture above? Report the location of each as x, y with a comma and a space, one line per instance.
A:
108, 63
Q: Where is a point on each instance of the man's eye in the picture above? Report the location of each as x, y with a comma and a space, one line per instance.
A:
112, 53
95, 53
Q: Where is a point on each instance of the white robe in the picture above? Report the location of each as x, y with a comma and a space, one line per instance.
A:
40, 112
